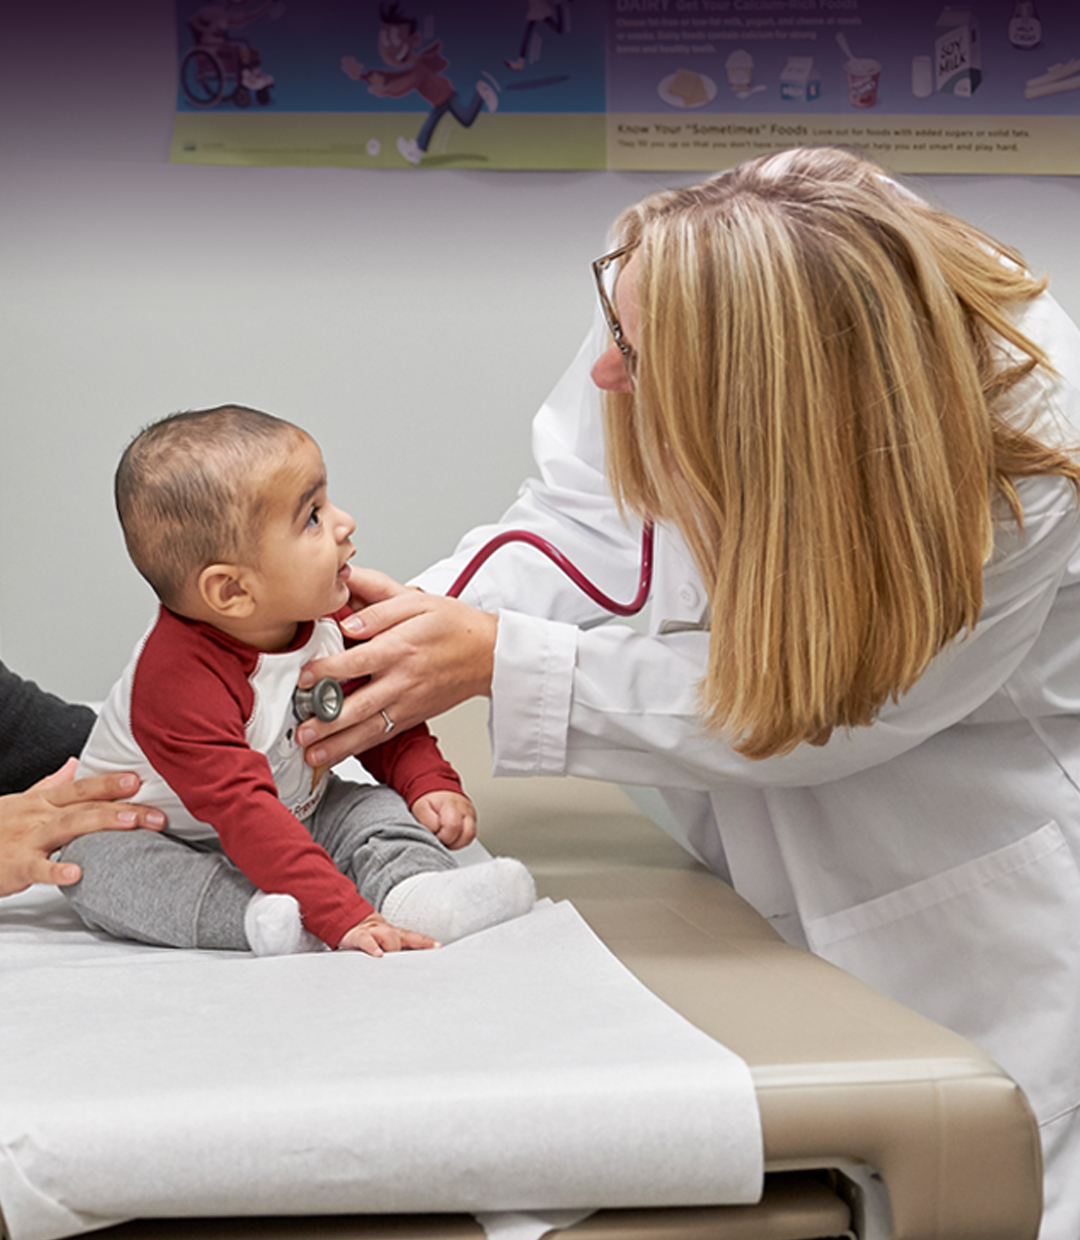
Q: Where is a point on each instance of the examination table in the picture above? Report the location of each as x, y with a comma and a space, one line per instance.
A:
877, 1123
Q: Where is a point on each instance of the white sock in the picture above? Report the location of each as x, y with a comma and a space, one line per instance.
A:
274, 927
449, 904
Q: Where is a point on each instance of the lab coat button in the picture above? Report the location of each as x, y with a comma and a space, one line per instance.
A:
689, 595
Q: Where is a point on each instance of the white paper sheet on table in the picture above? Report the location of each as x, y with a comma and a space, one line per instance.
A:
521, 1069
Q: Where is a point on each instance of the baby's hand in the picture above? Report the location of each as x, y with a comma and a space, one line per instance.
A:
450, 816
376, 936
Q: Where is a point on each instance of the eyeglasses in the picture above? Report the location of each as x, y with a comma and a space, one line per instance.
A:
600, 267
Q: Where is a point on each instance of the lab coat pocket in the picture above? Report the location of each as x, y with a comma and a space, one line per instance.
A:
991, 949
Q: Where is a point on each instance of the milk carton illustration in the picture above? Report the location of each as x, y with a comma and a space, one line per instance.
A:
799, 79
957, 53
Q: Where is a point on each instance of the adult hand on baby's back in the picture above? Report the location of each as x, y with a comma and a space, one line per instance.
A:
55, 811
422, 653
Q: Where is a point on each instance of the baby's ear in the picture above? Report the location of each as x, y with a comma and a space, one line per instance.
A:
224, 589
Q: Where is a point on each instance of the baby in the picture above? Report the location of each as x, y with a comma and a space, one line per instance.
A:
225, 513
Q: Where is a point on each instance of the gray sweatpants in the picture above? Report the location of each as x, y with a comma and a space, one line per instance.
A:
173, 893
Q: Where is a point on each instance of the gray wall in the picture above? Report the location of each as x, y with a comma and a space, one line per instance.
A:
412, 322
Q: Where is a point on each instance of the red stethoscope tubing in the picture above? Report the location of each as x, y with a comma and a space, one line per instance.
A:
575, 574
326, 698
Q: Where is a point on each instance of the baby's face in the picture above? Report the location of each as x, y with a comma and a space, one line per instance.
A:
303, 556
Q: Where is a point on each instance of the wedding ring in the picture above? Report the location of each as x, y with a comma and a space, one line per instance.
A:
387, 720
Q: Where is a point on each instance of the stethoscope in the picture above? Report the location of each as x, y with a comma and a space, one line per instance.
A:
326, 697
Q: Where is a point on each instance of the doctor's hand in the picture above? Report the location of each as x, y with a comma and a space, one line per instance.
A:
52, 813
422, 652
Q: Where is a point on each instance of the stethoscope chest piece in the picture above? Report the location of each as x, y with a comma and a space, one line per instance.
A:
324, 700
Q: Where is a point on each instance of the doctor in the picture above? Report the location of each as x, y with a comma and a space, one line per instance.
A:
850, 415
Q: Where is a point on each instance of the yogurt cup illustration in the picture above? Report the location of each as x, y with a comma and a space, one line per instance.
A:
863, 76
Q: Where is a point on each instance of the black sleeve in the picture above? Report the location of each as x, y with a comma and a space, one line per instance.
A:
38, 732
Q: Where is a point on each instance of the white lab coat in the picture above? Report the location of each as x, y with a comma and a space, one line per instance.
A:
935, 854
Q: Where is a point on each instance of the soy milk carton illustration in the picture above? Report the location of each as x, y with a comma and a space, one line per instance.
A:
957, 53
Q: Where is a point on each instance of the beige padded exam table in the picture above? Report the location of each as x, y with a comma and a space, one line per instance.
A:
851, 1085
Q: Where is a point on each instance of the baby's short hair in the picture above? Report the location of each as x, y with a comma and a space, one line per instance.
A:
189, 494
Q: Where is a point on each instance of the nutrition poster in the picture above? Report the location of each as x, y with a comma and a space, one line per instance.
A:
681, 85
921, 86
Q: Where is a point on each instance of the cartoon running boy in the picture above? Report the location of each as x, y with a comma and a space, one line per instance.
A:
420, 69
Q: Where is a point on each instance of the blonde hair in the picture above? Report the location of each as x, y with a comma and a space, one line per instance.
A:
190, 491
819, 357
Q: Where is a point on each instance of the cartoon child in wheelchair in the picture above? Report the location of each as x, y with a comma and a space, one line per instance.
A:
221, 67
